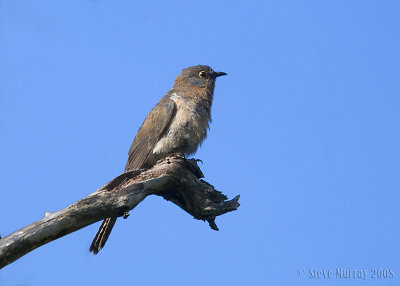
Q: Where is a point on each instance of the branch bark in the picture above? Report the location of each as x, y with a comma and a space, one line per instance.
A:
174, 178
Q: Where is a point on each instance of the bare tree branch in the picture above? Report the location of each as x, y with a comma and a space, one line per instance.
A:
174, 178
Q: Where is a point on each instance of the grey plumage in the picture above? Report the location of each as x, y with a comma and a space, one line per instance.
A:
177, 124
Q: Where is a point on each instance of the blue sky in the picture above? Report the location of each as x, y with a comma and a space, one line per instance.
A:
305, 128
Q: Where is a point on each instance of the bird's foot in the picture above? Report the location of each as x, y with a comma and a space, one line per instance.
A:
198, 160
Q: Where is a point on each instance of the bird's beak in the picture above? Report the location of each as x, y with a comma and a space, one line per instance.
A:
217, 74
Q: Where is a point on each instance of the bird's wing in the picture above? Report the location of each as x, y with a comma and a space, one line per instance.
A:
153, 127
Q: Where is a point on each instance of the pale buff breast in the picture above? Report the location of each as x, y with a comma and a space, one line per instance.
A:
187, 130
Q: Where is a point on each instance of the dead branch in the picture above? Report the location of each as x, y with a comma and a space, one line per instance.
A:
174, 178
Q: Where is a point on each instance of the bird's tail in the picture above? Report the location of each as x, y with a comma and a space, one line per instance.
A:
102, 235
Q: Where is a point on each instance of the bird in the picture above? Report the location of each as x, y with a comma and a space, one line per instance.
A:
177, 124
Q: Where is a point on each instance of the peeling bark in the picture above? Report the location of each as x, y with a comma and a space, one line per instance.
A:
174, 178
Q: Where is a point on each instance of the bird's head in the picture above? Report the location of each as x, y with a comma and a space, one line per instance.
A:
200, 76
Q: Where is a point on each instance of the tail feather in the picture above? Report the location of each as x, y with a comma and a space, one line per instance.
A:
102, 235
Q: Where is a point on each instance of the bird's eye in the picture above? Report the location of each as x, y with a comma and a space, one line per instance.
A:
202, 74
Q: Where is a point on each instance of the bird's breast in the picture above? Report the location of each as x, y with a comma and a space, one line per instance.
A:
187, 130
